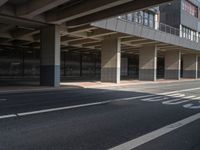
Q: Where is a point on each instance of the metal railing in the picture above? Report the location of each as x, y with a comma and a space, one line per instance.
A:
153, 25
168, 29
161, 27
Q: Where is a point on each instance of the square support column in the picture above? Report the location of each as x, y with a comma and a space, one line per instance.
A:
148, 63
173, 65
111, 60
198, 67
190, 66
50, 56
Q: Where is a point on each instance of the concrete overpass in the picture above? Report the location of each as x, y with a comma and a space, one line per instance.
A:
40, 24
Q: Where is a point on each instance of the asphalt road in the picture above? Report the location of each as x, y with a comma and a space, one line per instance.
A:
100, 119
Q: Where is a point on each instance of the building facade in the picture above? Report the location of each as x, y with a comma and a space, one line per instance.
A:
159, 42
187, 18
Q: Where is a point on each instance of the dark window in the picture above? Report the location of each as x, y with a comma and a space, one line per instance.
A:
190, 8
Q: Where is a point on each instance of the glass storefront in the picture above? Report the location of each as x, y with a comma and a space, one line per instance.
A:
16, 62
19, 62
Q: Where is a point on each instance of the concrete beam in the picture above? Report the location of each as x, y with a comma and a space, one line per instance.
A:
21, 22
35, 7
68, 38
81, 41
80, 29
23, 32
100, 32
142, 42
2, 2
80, 10
132, 39
92, 44
115, 11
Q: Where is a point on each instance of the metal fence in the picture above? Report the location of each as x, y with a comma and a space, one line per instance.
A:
153, 25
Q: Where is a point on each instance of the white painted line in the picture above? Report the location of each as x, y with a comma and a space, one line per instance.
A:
71, 107
196, 98
176, 94
185, 90
8, 116
79, 106
3, 99
175, 102
93, 104
152, 98
155, 100
188, 97
192, 106
155, 134
61, 108
179, 95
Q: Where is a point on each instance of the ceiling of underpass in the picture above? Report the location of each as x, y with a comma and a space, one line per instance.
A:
20, 21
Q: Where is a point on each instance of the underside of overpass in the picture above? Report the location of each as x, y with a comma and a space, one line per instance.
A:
32, 33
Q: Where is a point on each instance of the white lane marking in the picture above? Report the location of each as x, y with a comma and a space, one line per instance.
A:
72, 107
183, 95
8, 116
155, 134
188, 97
192, 106
152, 98
155, 100
185, 90
175, 101
176, 94
3, 99
196, 98
97, 103
162, 98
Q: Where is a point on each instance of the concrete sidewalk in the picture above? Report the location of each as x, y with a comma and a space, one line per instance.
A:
99, 84
76, 85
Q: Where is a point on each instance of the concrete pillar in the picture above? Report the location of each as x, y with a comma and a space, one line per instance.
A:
148, 63
173, 65
111, 60
198, 67
50, 56
190, 66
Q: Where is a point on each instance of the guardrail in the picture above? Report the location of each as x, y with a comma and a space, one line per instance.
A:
162, 27
154, 25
